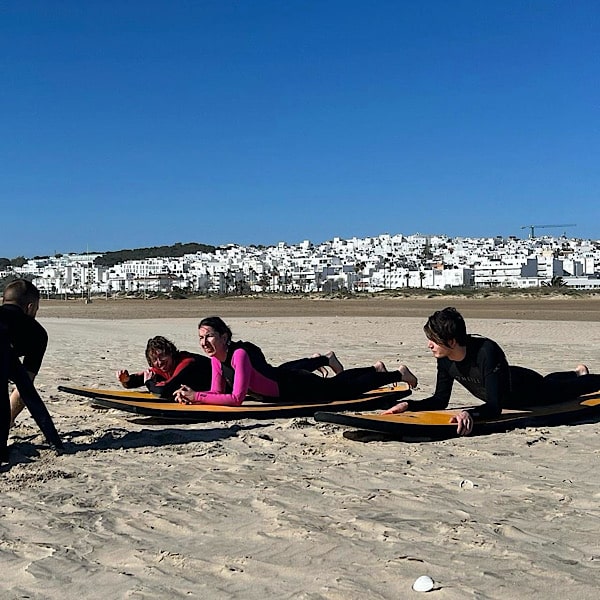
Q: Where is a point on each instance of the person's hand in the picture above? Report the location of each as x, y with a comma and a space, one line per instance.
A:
464, 421
185, 395
123, 376
399, 408
148, 373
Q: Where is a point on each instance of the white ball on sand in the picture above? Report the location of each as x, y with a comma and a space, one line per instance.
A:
423, 584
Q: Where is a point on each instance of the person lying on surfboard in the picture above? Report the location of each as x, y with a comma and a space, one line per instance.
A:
169, 368
479, 364
240, 368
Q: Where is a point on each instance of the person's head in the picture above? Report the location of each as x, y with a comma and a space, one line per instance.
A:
22, 293
161, 353
447, 328
214, 336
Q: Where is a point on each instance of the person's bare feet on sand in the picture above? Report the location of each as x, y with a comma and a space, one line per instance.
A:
408, 376
380, 367
582, 369
335, 365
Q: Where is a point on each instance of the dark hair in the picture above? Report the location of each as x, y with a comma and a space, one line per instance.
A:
160, 344
21, 292
217, 324
445, 325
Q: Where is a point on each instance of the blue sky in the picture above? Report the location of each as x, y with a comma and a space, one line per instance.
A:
127, 124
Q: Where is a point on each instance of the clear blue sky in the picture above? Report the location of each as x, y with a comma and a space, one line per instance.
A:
127, 124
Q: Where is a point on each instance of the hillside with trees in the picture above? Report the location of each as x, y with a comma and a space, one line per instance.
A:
109, 259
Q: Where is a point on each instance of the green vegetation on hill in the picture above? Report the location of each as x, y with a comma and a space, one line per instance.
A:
110, 259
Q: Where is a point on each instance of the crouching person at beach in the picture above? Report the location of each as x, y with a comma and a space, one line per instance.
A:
479, 364
22, 336
240, 368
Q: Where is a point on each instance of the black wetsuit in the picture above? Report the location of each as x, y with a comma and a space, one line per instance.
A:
27, 337
22, 335
295, 383
193, 370
486, 373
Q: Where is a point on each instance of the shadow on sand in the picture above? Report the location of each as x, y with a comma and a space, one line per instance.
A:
25, 450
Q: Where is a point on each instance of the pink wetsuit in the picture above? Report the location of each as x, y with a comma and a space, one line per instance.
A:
246, 379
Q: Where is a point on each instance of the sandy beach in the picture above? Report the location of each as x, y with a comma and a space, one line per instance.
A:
141, 509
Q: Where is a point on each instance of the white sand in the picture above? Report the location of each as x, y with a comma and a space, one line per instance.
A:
289, 508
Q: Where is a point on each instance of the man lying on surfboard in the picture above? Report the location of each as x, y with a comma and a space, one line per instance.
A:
239, 368
479, 364
169, 368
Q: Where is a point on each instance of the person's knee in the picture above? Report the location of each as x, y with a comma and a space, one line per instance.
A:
16, 406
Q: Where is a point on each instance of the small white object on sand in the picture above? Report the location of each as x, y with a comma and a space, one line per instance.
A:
423, 584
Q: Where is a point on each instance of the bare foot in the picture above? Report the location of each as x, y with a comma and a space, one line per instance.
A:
380, 367
322, 370
334, 363
581, 370
408, 376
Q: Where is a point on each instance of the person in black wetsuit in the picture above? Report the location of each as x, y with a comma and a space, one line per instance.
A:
170, 368
479, 364
20, 304
22, 336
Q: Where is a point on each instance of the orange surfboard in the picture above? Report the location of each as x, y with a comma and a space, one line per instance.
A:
435, 424
144, 403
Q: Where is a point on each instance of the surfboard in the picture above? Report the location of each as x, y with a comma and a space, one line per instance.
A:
119, 394
168, 409
435, 424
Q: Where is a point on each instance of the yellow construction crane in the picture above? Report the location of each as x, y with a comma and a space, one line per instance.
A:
532, 228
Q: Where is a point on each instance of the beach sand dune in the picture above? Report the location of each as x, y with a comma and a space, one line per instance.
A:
289, 508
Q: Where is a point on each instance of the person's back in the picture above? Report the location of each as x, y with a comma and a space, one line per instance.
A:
27, 337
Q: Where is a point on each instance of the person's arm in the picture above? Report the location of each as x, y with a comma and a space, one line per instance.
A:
130, 380
244, 375
495, 381
242, 368
30, 398
32, 362
439, 400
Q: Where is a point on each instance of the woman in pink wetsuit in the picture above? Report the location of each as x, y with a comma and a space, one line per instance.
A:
240, 368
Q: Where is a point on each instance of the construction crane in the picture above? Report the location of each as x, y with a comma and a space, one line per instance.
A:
532, 228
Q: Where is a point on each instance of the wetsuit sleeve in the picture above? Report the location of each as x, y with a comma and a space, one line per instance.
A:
36, 348
135, 380
441, 396
218, 382
242, 368
161, 388
496, 382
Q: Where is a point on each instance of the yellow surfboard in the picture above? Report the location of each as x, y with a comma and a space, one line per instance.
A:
435, 424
